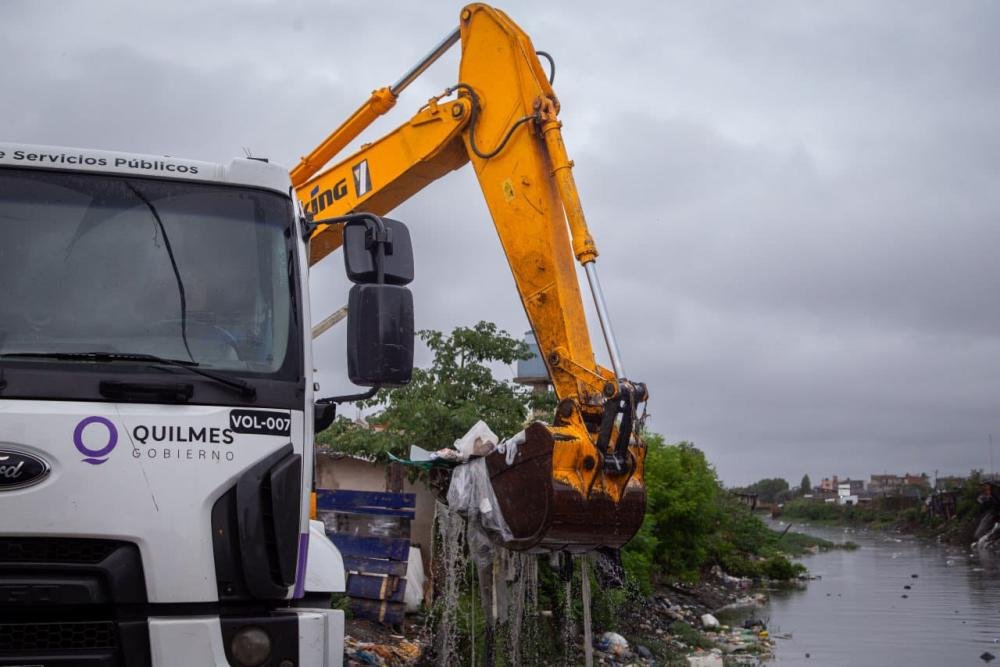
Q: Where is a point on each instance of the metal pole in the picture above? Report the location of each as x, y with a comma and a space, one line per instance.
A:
991, 455
328, 322
602, 315
425, 62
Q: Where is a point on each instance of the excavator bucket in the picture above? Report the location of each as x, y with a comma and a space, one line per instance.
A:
550, 503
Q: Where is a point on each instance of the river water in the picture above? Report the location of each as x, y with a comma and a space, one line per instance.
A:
856, 613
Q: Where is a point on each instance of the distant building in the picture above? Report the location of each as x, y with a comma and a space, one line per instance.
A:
922, 481
845, 496
856, 485
943, 504
886, 485
949, 483
748, 499
828, 484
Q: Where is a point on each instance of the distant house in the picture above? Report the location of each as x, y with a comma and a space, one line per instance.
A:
748, 499
886, 485
949, 483
943, 504
856, 485
921, 481
845, 496
829, 484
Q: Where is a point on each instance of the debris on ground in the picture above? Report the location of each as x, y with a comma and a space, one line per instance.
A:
664, 628
711, 659
369, 643
399, 653
613, 643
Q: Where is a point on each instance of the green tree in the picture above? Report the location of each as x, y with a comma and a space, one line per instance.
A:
769, 490
443, 401
806, 485
681, 512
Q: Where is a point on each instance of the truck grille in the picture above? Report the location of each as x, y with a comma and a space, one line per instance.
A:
58, 636
55, 550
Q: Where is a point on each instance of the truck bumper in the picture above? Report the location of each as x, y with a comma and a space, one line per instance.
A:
304, 637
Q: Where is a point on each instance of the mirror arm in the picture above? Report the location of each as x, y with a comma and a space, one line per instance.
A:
379, 236
323, 418
350, 398
308, 227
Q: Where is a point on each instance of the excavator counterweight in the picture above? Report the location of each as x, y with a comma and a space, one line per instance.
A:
576, 484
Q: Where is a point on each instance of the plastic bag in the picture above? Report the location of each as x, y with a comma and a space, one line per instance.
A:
509, 447
478, 441
471, 494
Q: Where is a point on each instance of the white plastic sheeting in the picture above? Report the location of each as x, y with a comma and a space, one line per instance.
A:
413, 597
480, 440
471, 494
325, 565
509, 447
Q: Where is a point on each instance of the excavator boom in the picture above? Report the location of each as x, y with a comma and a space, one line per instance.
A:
576, 484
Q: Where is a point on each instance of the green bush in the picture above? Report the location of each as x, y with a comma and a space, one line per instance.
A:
692, 524
681, 512
638, 570
812, 510
968, 504
443, 401
779, 567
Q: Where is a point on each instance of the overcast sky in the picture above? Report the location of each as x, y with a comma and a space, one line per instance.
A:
796, 204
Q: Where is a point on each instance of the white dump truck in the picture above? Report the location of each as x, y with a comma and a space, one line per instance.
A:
157, 412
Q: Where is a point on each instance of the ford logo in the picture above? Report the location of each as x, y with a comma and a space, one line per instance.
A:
18, 469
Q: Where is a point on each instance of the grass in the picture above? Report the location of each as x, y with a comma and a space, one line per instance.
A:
799, 544
688, 634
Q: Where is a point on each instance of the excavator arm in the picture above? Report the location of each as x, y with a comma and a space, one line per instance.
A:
578, 483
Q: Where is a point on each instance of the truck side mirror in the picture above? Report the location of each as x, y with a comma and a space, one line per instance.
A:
378, 256
379, 335
360, 252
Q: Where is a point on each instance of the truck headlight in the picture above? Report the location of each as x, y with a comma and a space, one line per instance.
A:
251, 646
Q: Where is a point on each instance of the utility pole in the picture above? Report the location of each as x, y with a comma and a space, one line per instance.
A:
992, 472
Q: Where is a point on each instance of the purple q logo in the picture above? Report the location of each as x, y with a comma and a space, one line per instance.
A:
95, 456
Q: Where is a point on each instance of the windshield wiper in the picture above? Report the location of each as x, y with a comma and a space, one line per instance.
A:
173, 263
244, 388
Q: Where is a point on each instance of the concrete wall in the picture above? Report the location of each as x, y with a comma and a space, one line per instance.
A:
334, 473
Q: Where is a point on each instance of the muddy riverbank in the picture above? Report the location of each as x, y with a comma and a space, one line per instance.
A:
662, 629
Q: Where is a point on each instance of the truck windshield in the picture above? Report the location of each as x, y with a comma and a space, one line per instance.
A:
188, 271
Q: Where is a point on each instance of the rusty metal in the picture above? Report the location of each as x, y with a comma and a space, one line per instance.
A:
544, 514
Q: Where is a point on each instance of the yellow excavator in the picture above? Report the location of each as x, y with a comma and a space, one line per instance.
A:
577, 484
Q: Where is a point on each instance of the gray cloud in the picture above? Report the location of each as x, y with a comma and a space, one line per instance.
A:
796, 205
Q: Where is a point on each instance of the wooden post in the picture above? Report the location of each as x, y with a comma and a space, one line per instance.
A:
588, 640
394, 478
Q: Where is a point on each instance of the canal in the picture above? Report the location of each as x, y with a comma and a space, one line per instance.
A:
898, 600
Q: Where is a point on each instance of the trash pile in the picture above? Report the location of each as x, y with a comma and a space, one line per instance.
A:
471, 493
398, 652
479, 441
680, 620
613, 649
472, 528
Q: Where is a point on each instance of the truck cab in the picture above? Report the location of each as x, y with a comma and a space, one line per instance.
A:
156, 414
